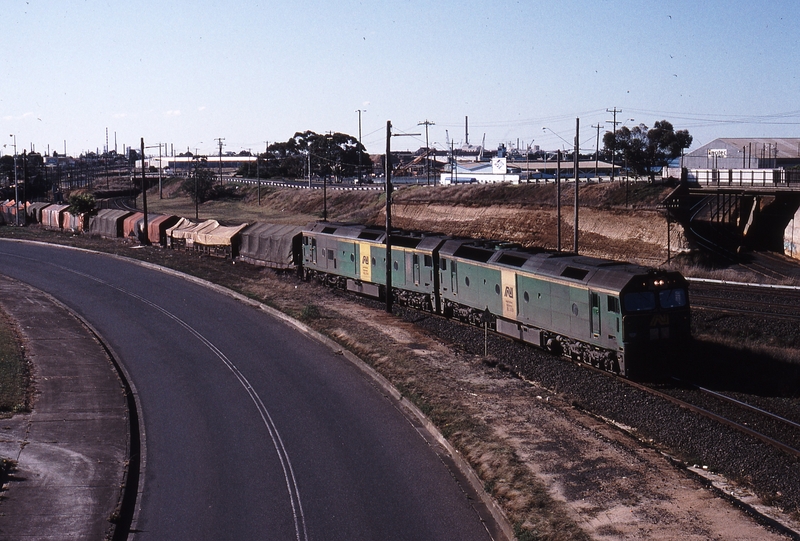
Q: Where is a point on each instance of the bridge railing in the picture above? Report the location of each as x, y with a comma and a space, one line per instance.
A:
771, 178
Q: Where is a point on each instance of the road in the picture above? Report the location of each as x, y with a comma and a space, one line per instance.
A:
252, 430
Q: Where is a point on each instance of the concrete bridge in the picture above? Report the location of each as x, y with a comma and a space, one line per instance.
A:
727, 210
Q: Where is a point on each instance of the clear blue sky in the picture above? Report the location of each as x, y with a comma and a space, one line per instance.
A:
186, 73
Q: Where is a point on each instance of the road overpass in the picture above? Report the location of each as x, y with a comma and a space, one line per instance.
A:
727, 210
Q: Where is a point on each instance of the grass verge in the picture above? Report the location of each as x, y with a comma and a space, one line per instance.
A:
14, 372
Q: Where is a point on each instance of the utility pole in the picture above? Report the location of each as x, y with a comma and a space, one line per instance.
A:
220, 140
388, 174
196, 200
16, 182
577, 181
427, 123
258, 178
160, 191
614, 131
597, 152
558, 200
105, 158
145, 238
325, 178
24, 182
359, 143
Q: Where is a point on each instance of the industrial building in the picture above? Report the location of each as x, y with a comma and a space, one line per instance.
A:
745, 153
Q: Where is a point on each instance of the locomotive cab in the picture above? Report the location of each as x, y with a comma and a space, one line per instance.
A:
655, 321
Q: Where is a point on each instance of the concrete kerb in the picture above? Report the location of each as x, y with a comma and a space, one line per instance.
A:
132, 480
423, 425
118, 520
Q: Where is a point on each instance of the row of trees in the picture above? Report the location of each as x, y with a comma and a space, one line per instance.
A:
328, 155
34, 181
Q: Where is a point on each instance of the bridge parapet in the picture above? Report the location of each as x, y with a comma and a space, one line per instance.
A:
745, 179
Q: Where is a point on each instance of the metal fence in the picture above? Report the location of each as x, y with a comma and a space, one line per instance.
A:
745, 177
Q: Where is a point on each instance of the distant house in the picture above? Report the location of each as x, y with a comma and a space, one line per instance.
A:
745, 153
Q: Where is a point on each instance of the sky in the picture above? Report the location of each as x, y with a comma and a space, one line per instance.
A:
254, 72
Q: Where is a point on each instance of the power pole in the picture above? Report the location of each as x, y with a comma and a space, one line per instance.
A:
160, 190
558, 200
388, 174
258, 178
16, 183
427, 123
145, 238
220, 140
577, 181
614, 131
359, 143
105, 158
597, 152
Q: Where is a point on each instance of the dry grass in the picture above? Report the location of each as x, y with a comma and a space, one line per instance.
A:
278, 205
14, 373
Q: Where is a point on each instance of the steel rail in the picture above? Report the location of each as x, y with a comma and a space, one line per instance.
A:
718, 418
702, 411
741, 311
749, 407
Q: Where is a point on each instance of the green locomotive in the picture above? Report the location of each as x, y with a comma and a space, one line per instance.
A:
614, 315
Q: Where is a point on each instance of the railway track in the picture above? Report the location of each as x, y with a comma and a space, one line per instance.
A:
778, 302
757, 422
775, 430
747, 308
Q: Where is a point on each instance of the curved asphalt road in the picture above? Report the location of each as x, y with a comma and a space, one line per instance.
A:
253, 431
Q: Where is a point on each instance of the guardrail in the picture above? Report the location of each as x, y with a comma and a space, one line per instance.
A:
302, 185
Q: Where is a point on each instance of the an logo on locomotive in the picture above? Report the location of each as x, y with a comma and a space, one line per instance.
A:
659, 320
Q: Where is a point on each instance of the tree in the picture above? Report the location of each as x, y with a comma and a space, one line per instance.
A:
81, 203
200, 185
37, 185
645, 149
332, 154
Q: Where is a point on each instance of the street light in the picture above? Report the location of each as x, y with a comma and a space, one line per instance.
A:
528, 161
16, 183
427, 123
545, 128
